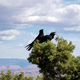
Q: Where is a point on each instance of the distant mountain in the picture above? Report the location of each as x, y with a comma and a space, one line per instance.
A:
18, 65
7, 62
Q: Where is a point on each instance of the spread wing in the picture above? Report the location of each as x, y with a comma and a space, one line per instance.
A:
41, 34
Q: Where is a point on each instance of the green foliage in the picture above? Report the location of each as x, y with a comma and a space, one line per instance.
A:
9, 76
30, 78
21, 76
55, 60
15, 77
3, 75
39, 77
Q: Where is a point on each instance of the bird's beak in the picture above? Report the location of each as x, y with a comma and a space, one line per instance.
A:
55, 33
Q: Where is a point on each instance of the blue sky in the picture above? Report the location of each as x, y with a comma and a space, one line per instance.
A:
21, 20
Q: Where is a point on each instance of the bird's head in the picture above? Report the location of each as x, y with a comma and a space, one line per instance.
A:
52, 34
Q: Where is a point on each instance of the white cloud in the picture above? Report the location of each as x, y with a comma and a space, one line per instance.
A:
8, 37
36, 18
11, 2
78, 28
25, 13
52, 19
72, 29
69, 29
64, 14
16, 14
10, 32
33, 18
28, 2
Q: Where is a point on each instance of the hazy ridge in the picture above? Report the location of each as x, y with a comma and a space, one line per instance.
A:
8, 62
18, 65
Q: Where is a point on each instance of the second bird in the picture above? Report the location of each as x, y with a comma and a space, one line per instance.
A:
41, 38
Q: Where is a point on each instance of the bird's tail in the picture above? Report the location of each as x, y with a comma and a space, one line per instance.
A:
28, 47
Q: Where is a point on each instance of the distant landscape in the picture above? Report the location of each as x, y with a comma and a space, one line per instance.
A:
19, 65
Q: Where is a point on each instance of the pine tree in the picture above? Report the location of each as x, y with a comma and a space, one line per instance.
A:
16, 77
30, 78
39, 77
21, 76
8, 75
2, 75
54, 60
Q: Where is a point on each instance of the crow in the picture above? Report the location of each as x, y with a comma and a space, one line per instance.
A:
41, 38
41, 34
48, 37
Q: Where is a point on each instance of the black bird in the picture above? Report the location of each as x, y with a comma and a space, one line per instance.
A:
41, 34
41, 38
48, 37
